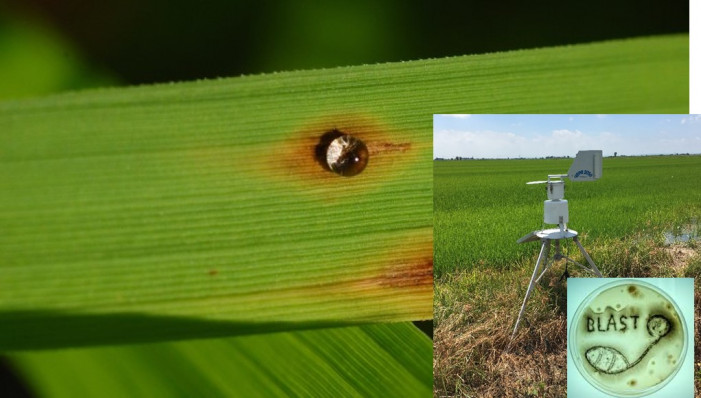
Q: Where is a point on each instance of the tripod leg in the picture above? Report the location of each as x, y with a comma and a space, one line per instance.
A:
589, 260
546, 263
544, 248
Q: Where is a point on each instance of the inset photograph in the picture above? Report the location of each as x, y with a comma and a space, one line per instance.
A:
524, 206
630, 337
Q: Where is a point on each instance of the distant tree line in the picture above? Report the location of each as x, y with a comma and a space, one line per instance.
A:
615, 154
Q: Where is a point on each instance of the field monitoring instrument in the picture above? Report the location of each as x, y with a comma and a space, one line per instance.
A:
586, 167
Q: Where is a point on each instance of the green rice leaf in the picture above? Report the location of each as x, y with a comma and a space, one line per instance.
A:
392, 360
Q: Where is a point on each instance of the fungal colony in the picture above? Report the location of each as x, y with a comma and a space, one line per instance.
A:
628, 339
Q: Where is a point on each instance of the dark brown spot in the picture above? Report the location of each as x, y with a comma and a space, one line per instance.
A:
213, 272
633, 290
632, 382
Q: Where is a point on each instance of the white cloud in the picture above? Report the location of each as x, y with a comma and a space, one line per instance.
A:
566, 134
562, 138
451, 143
691, 119
495, 144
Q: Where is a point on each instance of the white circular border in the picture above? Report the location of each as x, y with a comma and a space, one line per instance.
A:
577, 360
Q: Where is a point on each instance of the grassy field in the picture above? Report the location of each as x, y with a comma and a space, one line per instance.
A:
481, 207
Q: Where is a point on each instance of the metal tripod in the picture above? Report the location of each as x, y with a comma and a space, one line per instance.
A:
544, 262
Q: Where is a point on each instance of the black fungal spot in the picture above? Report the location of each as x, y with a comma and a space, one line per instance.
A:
341, 153
658, 326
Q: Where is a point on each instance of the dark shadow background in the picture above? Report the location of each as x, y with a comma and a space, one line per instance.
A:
145, 41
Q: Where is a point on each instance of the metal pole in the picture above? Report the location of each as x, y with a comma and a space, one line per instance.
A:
544, 248
586, 255
546, 263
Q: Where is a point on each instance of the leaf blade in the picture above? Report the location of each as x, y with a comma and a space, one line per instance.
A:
186, 200
355, 361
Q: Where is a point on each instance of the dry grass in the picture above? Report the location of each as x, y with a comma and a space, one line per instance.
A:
475, 311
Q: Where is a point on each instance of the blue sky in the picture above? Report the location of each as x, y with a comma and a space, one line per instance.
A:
509, 136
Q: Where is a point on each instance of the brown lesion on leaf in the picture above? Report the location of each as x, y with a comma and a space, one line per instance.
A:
409, 266
300, 158
389, 147
396, 279
410, 274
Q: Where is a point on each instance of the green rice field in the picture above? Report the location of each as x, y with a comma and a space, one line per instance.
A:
481, 207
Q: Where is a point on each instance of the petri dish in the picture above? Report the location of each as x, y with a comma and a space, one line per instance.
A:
628, 338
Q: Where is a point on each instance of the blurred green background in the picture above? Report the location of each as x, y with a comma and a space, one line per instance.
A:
49, 46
